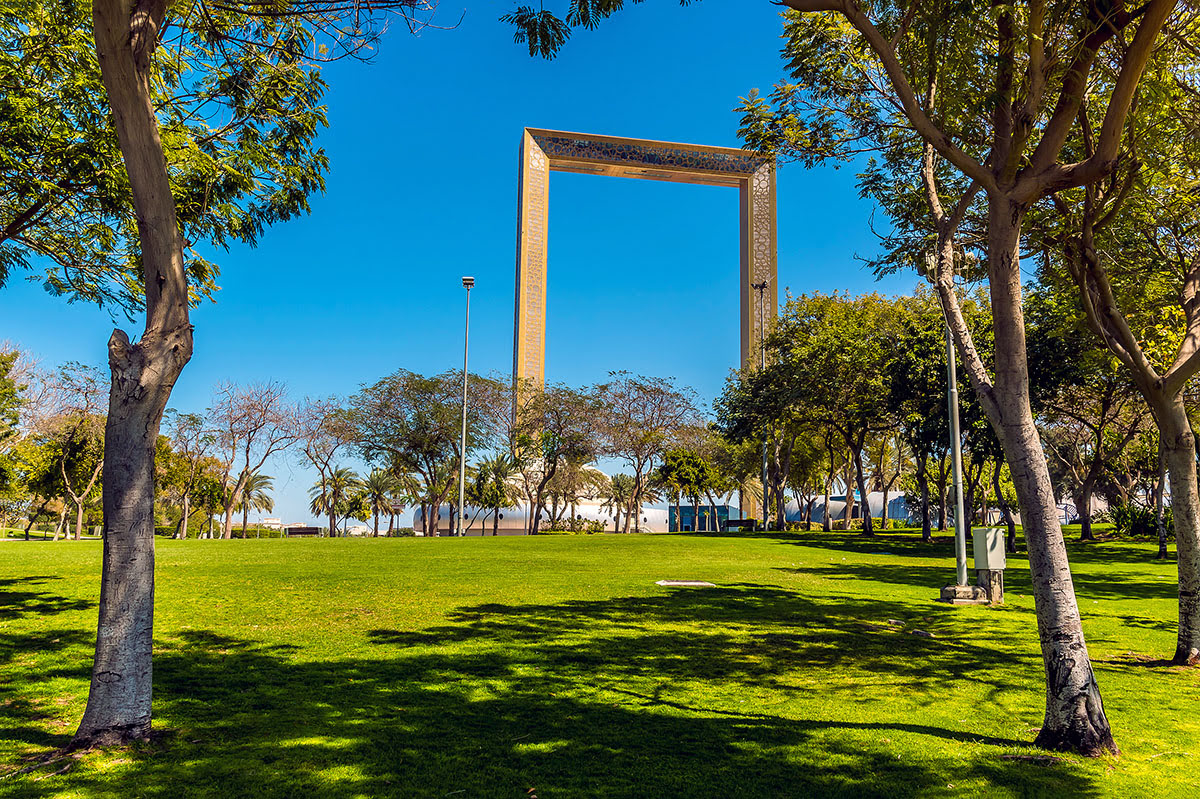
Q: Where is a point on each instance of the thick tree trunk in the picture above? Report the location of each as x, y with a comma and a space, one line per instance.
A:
826, 521
118, 707
1083, 509
181, 532
495, 522
923, 484
1074, 718
79, 519
1179, 446
1159, 499
868, 528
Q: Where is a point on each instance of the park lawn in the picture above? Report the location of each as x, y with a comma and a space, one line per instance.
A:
508, 667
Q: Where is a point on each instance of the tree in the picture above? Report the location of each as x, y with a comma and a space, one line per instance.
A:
987, 97
231, 43
492, 488
1128, 247
829, 356
641, 416
191, 442
558, 426
378, 488
1088, 411
73, 426
687, 474
255, 496
253, 423
412, 423
323, 429
333, 496
617, 497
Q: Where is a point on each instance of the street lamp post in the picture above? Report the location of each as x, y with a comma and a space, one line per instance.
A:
960, 521
762, 365
467, 282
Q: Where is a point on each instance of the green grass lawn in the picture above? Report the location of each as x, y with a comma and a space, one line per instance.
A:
490, 667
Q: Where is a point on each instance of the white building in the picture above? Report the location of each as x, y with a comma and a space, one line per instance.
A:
514, 521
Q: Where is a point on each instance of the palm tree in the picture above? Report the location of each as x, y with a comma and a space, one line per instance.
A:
618, 498
255, 497
378, 488
329, 494
491, 488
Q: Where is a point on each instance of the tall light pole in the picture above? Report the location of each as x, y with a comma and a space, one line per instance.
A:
468, 282
960, 516
960, 521
762, 365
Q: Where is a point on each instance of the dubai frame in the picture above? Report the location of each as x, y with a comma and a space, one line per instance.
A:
545, 150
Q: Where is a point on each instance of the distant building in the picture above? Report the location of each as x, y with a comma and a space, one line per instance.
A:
712, 518
271, 524
515, 520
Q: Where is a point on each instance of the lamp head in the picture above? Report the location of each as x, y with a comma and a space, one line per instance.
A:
468, 282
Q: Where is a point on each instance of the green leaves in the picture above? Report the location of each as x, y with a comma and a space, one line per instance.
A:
546, 33
540, 29
239, 103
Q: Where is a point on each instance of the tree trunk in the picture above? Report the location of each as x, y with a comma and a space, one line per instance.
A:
923, 486
1179, 445
181, 532
245, 516
143, 374
868, 527
1074, 718
1011, 541
942, 488
1083, 509
1163, 554
62, 521
495, 522
826, 522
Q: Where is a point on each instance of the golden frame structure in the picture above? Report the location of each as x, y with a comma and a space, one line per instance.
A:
544, 151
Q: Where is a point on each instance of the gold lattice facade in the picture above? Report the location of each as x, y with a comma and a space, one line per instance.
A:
543, 151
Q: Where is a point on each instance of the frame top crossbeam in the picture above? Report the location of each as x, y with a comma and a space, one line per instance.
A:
646, 159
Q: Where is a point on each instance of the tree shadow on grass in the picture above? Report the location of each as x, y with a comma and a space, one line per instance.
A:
16, 603
624, 697
1111, 582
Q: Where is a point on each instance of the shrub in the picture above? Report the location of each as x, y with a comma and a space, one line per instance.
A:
1140, 522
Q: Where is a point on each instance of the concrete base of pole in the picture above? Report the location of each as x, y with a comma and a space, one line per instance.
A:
988, 590
964, 595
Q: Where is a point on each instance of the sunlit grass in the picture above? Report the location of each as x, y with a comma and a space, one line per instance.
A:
488, 667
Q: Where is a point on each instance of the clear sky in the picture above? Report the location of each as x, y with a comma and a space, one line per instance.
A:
423, 143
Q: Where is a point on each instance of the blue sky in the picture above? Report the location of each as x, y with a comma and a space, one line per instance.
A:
423, 143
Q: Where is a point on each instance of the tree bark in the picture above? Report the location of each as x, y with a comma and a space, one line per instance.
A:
1179, 446
143, 374
1163, 554
181, 531
1075, 718
923, 483
826, 521
868, 528
1083, 509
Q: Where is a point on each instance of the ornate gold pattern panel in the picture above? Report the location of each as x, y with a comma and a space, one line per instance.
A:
529, 334
546, 150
